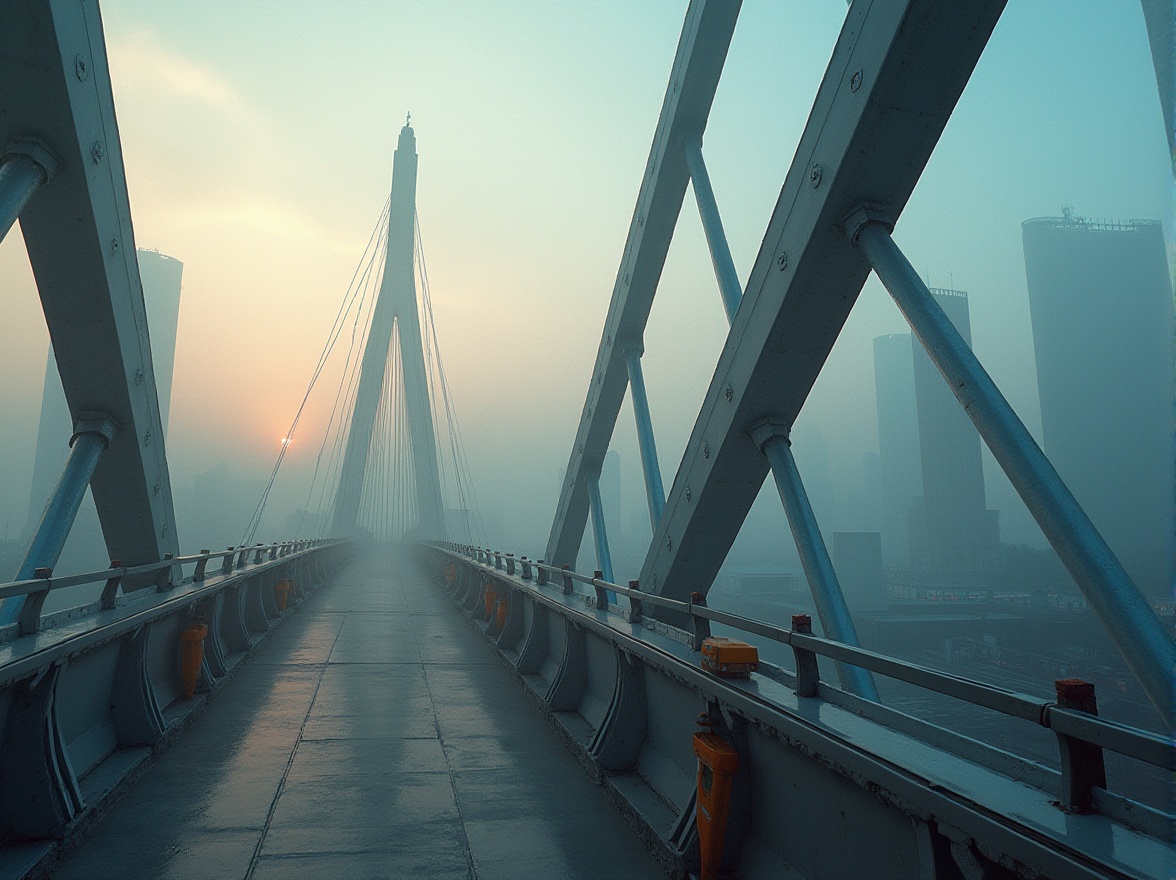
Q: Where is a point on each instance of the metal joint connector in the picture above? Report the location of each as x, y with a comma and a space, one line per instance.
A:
34, 149
860, 216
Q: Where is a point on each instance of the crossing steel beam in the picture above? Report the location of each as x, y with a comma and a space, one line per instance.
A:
77, 230
895, 76
702, 51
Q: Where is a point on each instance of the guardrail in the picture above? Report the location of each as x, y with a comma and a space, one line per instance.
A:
100, 686
1082, 735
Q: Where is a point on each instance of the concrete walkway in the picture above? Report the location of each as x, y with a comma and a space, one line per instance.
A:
376, 735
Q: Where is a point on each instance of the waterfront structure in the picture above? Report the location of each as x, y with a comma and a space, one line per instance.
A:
1100, 298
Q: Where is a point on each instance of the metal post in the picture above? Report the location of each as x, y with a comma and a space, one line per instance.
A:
92, 435
655, 493
603, 558
1130, 621
772, 439
24, 166
712, 225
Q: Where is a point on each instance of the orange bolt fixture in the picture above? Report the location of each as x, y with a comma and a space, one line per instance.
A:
282, 594
717, 763
191, 657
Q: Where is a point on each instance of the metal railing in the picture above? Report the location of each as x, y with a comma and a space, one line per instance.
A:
37, 589
1081, 733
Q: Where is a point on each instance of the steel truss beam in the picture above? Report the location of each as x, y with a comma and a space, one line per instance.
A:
702, 50
896, 73
77, 229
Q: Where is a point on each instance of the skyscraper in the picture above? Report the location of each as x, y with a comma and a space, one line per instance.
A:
160, 275
959, 533
898, 444
1100, 298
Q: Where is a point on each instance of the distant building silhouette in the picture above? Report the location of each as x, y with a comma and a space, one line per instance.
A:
959, 535
898, 444
85, 548
1100, 298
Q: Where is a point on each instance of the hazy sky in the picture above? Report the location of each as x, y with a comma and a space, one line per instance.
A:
258, 139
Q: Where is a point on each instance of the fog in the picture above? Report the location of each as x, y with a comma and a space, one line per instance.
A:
258, 147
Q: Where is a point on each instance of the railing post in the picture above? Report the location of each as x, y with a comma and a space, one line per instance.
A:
201, 566
498, 559
163, 578
227, 563
568, 589
541, 575
635, 612
510, 563
700, 626
808, 676
1082, 762
243, 557
526, 568
110, 592
29, 621
601, 592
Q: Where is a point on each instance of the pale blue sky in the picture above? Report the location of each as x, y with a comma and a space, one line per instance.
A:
258, 141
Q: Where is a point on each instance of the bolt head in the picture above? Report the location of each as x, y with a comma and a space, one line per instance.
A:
114, 246
782, 260
687, 493
855, 81
97, 152
706, 450
81, 69
729, 393
815, 174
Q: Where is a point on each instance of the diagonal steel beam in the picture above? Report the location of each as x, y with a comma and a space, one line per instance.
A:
77, 229
895, 76
702, 50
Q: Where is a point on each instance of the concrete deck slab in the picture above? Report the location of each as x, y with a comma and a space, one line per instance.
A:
375, 735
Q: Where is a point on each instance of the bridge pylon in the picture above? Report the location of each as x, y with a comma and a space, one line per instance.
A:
395, 311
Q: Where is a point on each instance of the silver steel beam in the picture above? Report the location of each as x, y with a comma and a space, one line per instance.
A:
702, 49
1135, 628
655, 494
712, 224
77, 230
895, 75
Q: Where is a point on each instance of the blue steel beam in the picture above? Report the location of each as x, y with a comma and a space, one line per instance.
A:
77, 230
655, 493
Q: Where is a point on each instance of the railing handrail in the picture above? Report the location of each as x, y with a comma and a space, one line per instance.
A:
38, 585
1121, 738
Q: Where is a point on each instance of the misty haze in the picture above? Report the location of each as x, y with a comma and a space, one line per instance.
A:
577, 341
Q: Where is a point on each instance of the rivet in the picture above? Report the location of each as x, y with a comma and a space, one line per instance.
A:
114, 245
687, 493
147, 437
81, 69
138, 377
669, 543
706, 450
815, 175
97, 152
782, 260
729, 393
855, 81
157, 488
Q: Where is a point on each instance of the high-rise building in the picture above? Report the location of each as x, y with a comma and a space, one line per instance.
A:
959, 535
898, 444
85, 549
1100, 298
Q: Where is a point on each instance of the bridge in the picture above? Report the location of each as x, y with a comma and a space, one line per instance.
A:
389, 698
